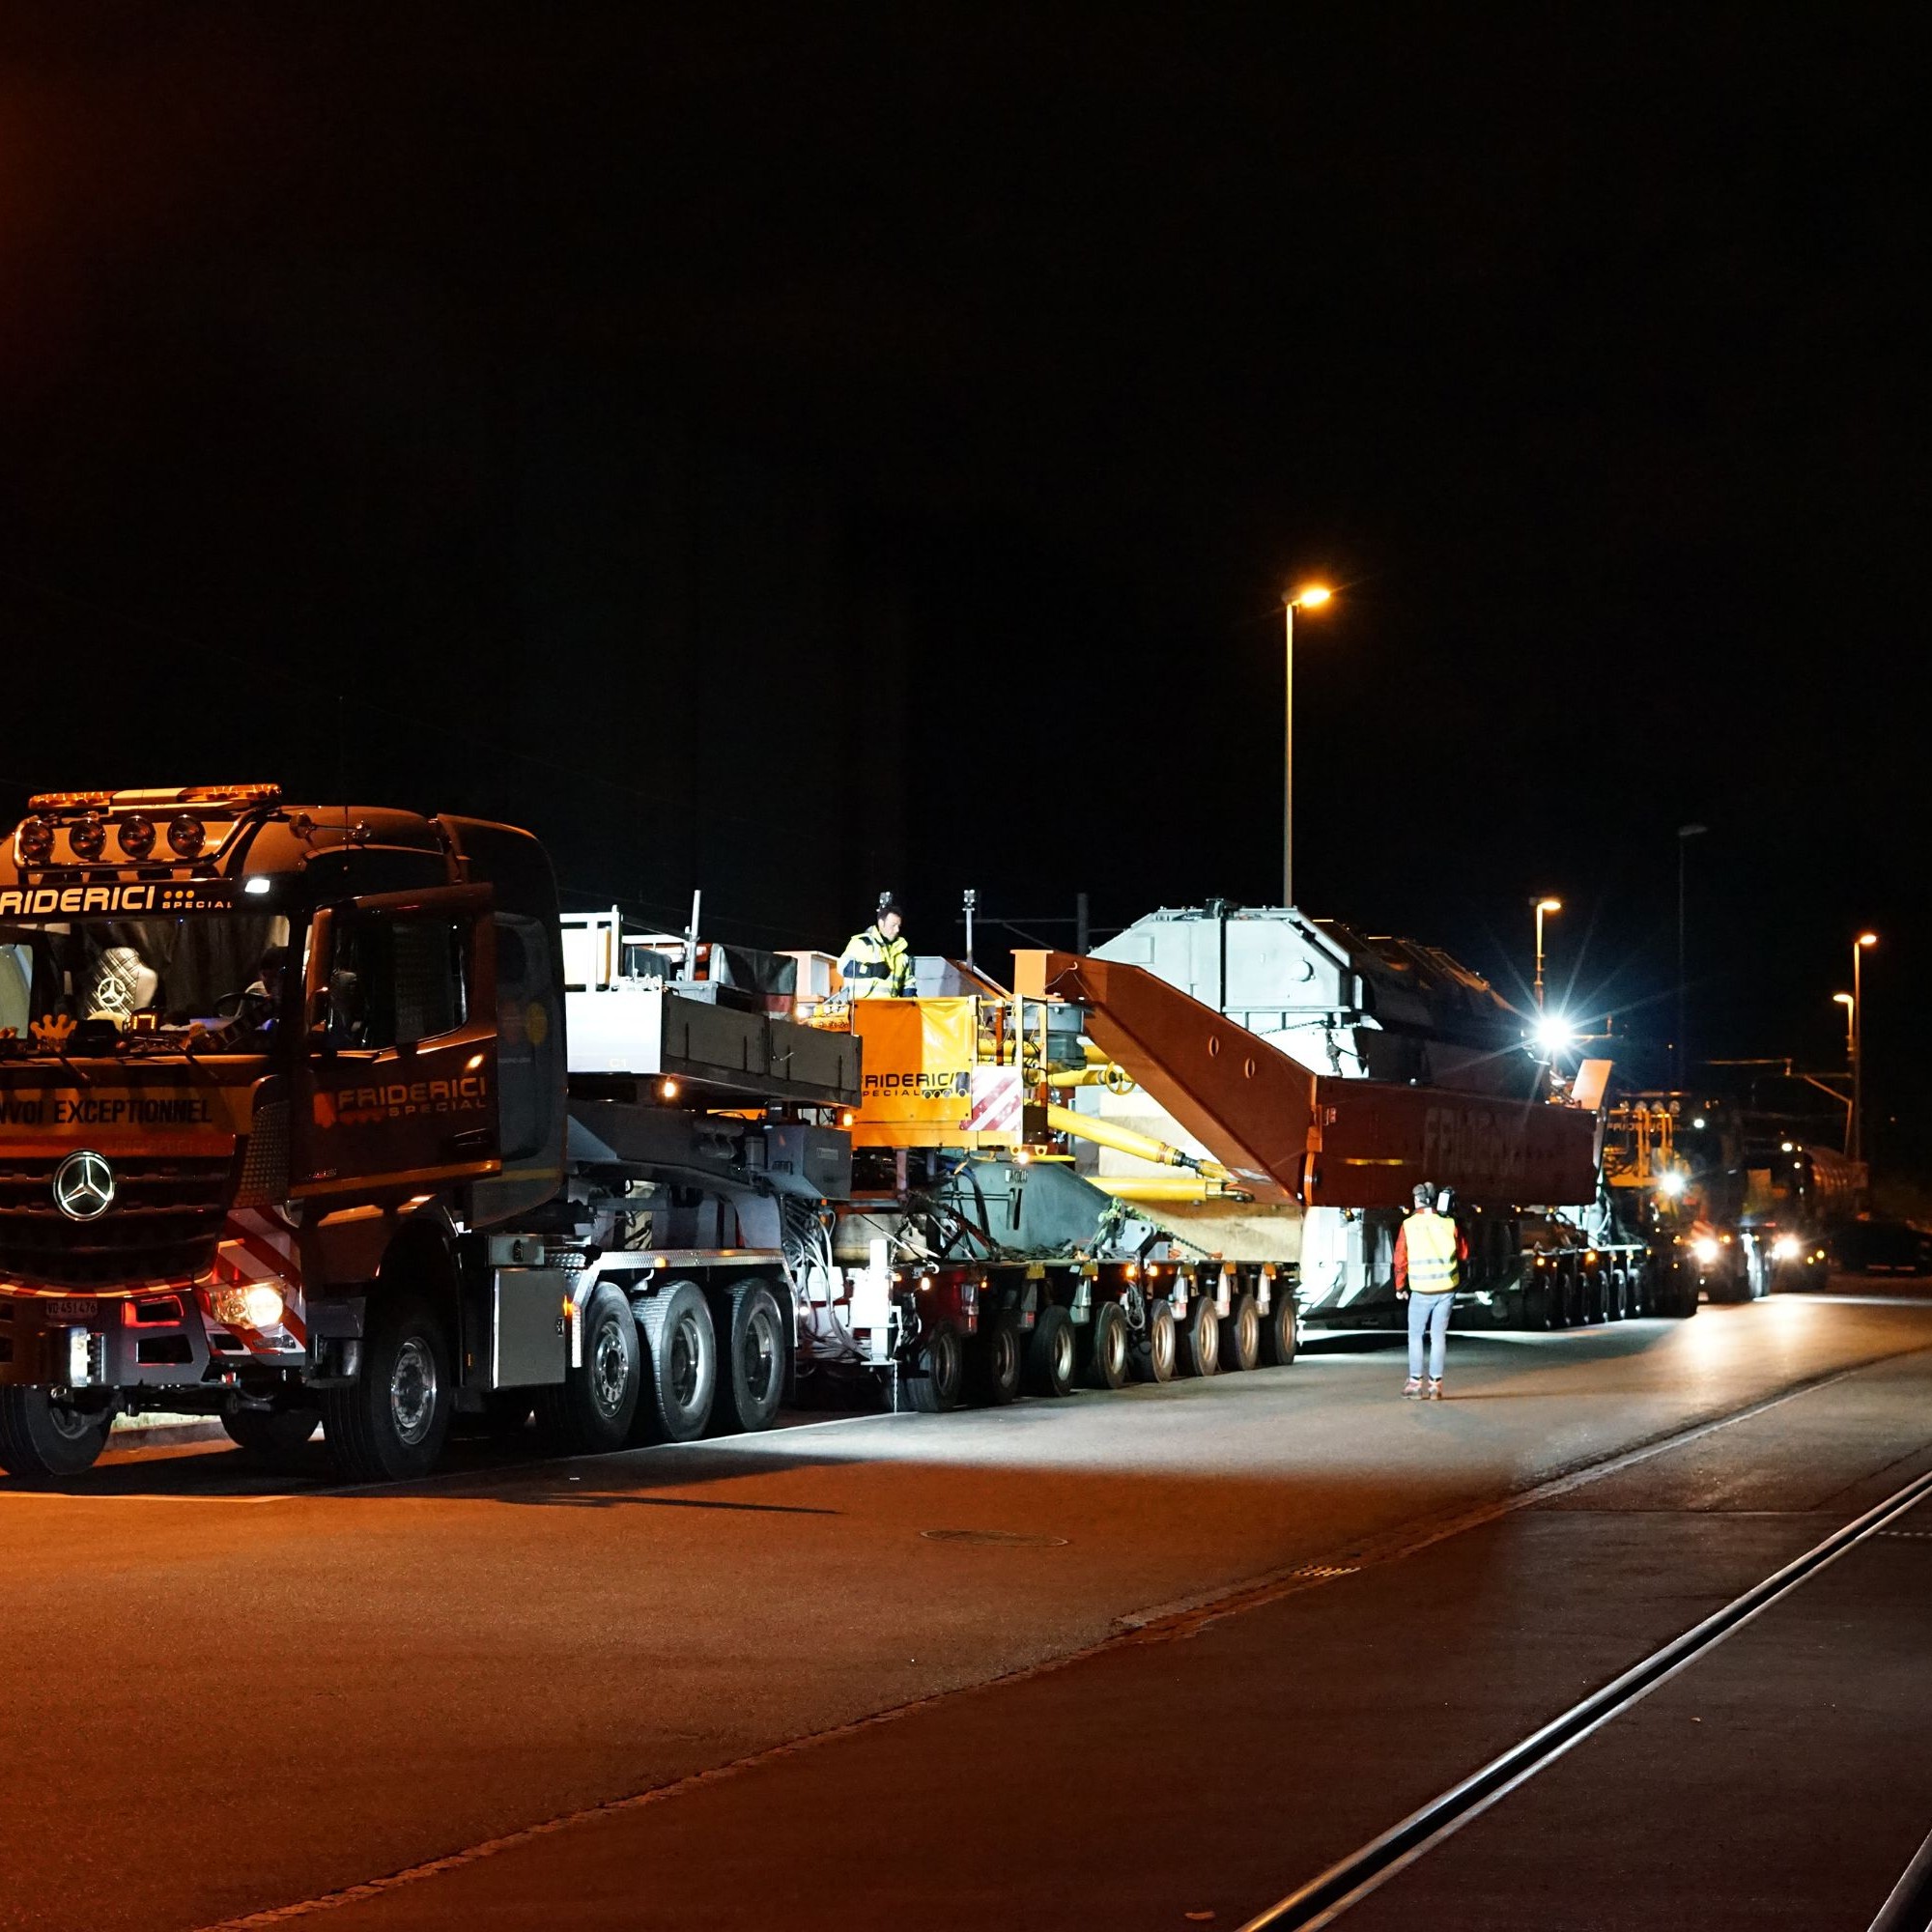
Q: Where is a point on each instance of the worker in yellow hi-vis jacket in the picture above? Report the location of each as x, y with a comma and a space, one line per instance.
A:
1429, 1255
877, 963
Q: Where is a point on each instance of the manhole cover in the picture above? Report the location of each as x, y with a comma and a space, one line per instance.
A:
986, 1536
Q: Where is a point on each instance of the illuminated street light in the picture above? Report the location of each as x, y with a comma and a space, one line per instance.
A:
1851, 1006
1553, 1032
1859, 947
1542, 906
1311, 597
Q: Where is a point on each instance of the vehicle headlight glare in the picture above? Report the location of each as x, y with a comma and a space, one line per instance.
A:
256, 1306
1706, 1249
1786, 1248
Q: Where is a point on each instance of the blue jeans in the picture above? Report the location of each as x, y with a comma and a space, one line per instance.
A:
1428, 1314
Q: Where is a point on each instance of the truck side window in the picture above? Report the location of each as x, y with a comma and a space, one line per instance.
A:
527, 1074
397, 981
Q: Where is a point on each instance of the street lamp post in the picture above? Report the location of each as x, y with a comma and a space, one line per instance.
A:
1542, 906
1685, 833
1859, 946
1311, 599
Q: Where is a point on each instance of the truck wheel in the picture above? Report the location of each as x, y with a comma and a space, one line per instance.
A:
390, 1423
1156, 1353
1107, 1365
275, 1437
1280, 1338
937, 1379
994, 1362
1241, 1334
1201, 1338
1050, 1353
752, 1378
680, 1365
39, 1436
592, 1410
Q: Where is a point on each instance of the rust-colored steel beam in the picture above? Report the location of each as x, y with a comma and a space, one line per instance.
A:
1242, 1098
1286, 1133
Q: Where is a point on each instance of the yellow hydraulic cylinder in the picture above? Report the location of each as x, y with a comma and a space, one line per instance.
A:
1159, 1188
1125, 1140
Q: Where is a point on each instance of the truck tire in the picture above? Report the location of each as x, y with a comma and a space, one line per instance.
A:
994, 1361
390, 1423
680, 1365
1156, 1349
1050, 1356
593, 1409
1200, 1335
274, 1437
1107, 1361
751, 1374
40, 1438
936, 1381
1241, 1334
1280, 1330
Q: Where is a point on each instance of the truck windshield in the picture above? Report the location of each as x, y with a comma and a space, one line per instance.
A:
162, 973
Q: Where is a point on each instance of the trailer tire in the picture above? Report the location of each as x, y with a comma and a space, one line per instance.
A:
1108, 1356
40, 1438
995, 1361
1242, 1333
594, 1409
936, 1381
1051, 1353
751, 1377
1156, 1351
680, 1365
1201, 1338
274, 1437
390, 1423
1281, 1337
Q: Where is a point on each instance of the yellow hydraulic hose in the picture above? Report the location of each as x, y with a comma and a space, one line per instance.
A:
1098, 1073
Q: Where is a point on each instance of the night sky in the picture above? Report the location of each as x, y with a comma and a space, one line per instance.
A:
797, 453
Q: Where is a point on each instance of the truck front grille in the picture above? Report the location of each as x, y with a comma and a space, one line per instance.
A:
164, 1224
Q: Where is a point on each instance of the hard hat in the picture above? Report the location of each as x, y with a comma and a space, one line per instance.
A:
889, 903
1425, 1193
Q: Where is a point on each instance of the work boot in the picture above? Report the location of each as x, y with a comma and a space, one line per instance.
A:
1435, 1388
1411, 1389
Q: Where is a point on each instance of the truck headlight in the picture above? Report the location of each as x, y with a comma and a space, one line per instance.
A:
257, 1306
1786, 1248
1706, 1249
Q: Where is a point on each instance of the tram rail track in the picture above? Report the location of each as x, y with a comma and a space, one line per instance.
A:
1325, 1897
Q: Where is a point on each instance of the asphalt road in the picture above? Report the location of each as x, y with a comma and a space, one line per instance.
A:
1146, 1659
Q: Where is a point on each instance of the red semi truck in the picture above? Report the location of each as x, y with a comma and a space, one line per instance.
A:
286, 1137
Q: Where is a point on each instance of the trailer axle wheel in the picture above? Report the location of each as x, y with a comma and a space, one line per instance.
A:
1050, 1353
1201, 1338
936, 1379
995, 1361
1241, 1334
1156, 1353
1107, 1365
1279, 1329
751, 1379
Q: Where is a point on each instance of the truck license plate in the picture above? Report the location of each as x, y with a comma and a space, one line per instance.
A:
75, 1308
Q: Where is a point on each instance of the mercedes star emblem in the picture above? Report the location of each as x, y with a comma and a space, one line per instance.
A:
83, 1186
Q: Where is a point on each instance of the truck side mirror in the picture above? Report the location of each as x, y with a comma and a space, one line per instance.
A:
315, 1020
